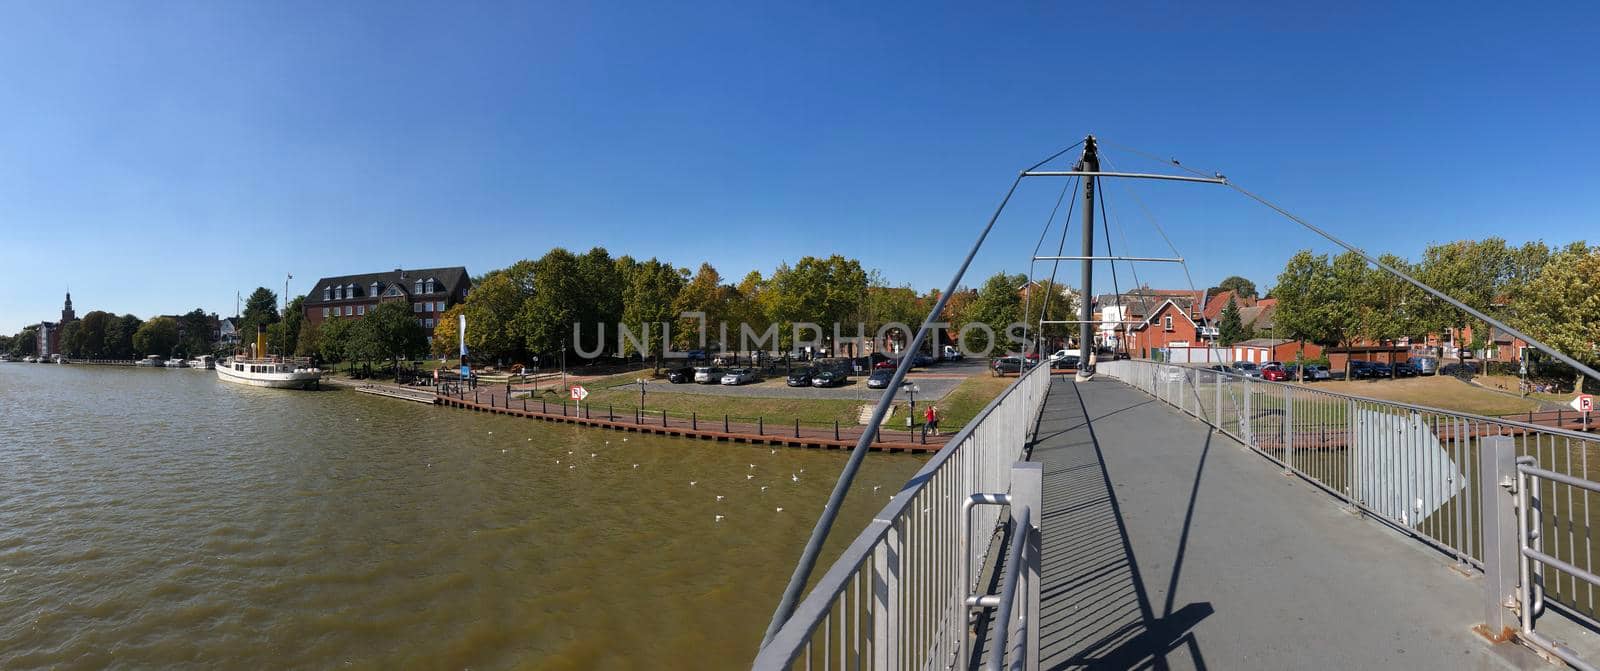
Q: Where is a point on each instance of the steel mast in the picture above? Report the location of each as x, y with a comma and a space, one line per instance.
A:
1088, 163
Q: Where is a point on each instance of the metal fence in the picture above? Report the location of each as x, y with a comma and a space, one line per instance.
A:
1434, 474
894, 598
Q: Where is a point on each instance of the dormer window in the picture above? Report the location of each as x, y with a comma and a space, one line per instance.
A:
325, 292
338, 293
418, 288
374, 289
430, 285
350, 291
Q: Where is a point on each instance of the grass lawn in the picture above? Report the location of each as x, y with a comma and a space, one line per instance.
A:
963, 403
1443, 392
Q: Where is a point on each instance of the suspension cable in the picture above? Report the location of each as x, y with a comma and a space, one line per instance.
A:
1066, 223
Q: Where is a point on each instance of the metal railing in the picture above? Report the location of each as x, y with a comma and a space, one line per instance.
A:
1446, 478
895, 599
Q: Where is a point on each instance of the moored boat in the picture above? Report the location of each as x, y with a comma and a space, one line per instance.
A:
277, 372
205, 362
177, 362
152, 361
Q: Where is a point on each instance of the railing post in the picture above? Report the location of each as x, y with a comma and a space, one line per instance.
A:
1288, 429
1351, 454
886, 601
1247, 427
1497, 463
1027, 489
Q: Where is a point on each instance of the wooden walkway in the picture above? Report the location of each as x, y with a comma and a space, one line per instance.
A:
788, 434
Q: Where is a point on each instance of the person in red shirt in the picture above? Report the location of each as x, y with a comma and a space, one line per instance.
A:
930, 419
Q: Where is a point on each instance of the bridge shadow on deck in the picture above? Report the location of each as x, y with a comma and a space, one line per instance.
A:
1095, 610
1169, 546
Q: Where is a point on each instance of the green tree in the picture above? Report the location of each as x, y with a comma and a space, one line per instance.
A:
1241, 287
293, 318
997, 305
389, 332
157, 336
194, 333
71, 339
119, 337
260, 309
704, 293
334, 338
308, 341
26, 343
1306, 295
446, 333
647, 303
1561, 307
92, 333
497, 312
1231, 329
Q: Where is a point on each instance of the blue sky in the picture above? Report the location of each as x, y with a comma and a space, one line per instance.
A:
158, 158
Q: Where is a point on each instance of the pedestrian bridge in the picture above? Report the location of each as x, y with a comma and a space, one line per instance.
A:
1169, 517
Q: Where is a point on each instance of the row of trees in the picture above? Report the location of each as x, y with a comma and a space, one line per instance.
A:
1554, 295
104, 335
529, 308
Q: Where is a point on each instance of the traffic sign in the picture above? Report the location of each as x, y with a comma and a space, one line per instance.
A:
578, 392
1583, 403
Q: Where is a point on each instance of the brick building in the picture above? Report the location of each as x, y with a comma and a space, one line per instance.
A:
429, 291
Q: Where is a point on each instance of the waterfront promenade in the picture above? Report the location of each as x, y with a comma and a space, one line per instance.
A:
1169, 545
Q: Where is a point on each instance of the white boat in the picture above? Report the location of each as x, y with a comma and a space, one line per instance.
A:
152, 361
177, 362
205, 362
7, 358
275, 372
29, 359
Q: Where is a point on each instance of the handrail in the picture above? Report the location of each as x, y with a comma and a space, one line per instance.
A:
793, 637
1021, 528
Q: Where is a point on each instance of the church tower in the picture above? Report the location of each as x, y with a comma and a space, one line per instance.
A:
67, 314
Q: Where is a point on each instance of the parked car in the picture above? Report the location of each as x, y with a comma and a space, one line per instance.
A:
1368, 370
1426, 365
800, 378
879, 379
707, 375
738, 376
952, 353
1316, 372
696, 355
1406, 369
682, 375
1063, 353
1006, 364
886, 364
1247, 369
1171, 374
829, 378
1464, 371
1067, 362
1274, 373
920, 360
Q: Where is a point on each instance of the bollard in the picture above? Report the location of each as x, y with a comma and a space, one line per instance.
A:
797, 427
638, 415
663, 419
725, 423
760, 427
543, 407
563, 408
611, 413
836, 429
694, 421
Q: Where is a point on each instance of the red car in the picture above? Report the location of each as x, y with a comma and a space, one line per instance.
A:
1275, 374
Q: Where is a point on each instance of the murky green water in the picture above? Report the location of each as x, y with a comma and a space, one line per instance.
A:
163, 519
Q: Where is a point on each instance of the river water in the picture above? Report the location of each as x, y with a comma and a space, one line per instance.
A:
156, 518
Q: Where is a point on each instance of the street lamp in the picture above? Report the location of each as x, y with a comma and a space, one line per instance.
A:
911, 393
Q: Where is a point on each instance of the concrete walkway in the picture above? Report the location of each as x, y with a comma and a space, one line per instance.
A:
1167, 545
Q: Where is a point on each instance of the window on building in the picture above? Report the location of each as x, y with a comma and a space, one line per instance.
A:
418, 288
325, 293
348, 310
338, 292
427, 323
324, 312
416, 307
1168, 322
374, 289
350, 291
427, 307
361, 310
430, 285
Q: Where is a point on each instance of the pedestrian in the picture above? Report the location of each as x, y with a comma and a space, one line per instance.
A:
930, 419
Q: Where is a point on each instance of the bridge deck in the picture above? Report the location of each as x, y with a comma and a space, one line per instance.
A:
1167, 545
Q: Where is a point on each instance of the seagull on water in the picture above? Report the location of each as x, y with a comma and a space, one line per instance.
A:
794, 477
719, 497
719, 518
635, 465
749, 477
763, 488
780, 510
752, 465
693, 483
593, 454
